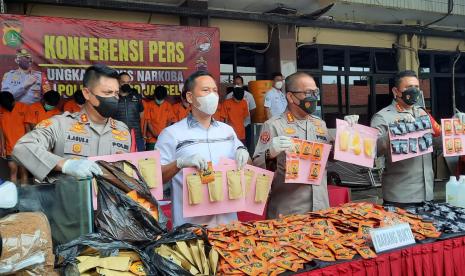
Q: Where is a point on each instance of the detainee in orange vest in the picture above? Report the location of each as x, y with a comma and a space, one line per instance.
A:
181, 109
45, 109
12, 127
236, 111
160, 115
75, 104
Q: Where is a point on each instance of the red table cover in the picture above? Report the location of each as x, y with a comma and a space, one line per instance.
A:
431, 259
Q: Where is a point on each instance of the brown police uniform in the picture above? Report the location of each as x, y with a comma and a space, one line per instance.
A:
70, 135
410, 180
287, 198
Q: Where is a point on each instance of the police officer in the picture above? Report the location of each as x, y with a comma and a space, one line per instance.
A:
408, 181
63, 142
275, 138
25, 84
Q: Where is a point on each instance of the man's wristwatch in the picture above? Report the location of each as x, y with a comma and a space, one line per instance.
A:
268, 155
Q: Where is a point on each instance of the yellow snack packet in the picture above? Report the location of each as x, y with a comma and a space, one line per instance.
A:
234, 184
215, 188
194, 185
262, 188
369, 147
356, 143
203, 257
128, 169
213, 257
248, 175
147, 170
344, 140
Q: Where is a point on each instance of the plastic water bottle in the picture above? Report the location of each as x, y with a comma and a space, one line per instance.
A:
452, 189
461, 192
9, 195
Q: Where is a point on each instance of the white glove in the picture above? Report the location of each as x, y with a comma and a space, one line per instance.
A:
279, 144
351, 119
192, 161
460, 116
408, 118
242, 156
81, 168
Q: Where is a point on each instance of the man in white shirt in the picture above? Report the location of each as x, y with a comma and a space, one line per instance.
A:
275, 100
248, 97
194, 141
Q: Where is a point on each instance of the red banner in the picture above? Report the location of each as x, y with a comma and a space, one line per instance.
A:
61, 49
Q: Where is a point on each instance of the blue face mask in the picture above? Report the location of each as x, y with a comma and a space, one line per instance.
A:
49, 107
159, 102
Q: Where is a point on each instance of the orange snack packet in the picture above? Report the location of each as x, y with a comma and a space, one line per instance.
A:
458, 144
447, 127
366, 252
295, 149
458, 128
449, 145
317, 151
314, 171
207, 175
306, 150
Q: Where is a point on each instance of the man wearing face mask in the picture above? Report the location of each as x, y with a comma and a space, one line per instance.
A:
236, 112
409, 181
181, 109
130, 109
75, 104
42, 110
159, 116
275, 138
248, 97
194, 141
62, 143
25, 84
12, 115
275, 100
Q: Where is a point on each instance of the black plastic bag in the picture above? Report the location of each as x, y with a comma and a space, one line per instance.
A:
66, 253
120, 217
183, 232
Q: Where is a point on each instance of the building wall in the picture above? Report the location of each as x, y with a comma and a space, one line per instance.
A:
241, 31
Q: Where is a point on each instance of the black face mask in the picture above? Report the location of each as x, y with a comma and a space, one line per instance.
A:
108, 106
411, 95
126, 88
308, 104
238, 93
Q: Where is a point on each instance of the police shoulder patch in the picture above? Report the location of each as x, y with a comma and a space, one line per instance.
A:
44, 124
265, 137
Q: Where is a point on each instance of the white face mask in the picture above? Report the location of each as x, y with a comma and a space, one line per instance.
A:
208, 104
278, 84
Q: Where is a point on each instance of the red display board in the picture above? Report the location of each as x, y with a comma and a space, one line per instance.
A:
152, 54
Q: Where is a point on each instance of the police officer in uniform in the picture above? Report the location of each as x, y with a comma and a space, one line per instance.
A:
275, 138
25, 84
63, 142
409, 181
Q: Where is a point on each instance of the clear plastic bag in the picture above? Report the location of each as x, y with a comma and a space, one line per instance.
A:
26, 245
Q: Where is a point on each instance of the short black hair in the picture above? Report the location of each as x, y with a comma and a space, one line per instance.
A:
52, 97
6, 97
239, 77
160, 91
189, 83
291, 80
276, 74
95, 72
123, 74
403, 74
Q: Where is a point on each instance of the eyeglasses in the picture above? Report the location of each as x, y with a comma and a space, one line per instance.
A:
309, 93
